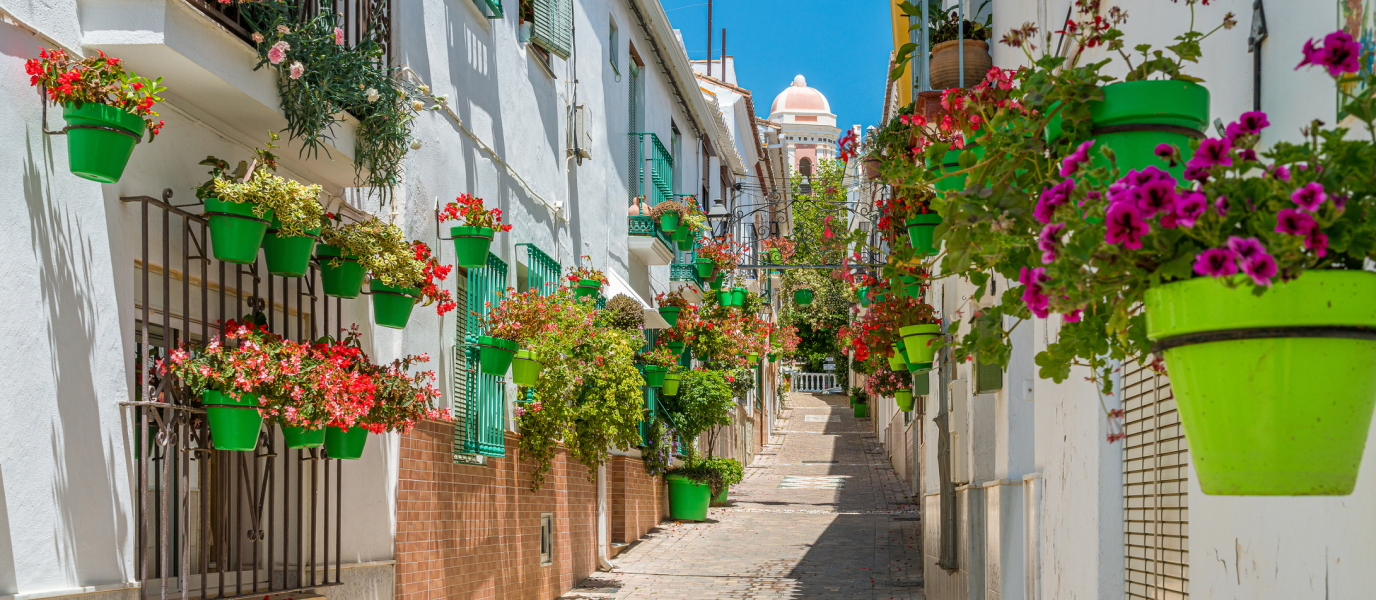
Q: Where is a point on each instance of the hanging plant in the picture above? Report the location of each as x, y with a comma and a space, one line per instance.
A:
472, 239
586, 281
666, 214
107, 109
251, 207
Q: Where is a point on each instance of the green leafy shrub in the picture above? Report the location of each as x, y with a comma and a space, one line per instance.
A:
624, 313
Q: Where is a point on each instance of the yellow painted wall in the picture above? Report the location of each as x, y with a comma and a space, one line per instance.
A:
899, 22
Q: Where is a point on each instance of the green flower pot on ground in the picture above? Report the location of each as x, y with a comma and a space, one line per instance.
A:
525, 368
236, 233
392, 306
471, 245
1275, 392
722, 497
705, 267
495, 354
688, 499
288, 256
904, 399
342, 280
588, 288
671, 383
860, 410
654, 376
234, 423
738, 295
670, 314
299, 438
802, 297
100, 154
668, 222
1135, 116
345, 444
921, 233
917, 341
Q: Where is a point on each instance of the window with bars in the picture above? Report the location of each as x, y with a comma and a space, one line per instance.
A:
1155, 489
479, 398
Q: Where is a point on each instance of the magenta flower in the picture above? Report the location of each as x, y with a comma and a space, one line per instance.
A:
1050, 241
1216, 262
1125, 225
1245, 248
1261, 268
1157, 196
1317, 241
1195, 173
1037, 300
1190, 207
1052, 197
1280, 172
1074, 316
1247, 155
1078, 157
1211, 152
1166, 152
1310, 197
1293, 222
1340, 201
1221, 206
1252, 122
1339, 54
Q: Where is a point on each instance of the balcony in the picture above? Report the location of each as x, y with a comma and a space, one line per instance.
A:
647, 242
684, 279
653, 168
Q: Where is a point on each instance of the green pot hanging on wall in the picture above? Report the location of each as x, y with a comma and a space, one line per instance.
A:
300, 438
802, 297
495, 354
668, 222
100, 140
236, 233
340, 274
717, 284
684, 239
345, 444
671, 383
917, 341
1275, 392
705, 266
525, 368
234, 422
670, 314
724, 297
471, 245
392, 305
1136, 116
676, 347
904, 399
688, 499
897, 361
654, 376
288, 256
738, 295
922, 233
588, 288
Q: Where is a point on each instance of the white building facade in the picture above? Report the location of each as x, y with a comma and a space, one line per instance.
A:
807, 124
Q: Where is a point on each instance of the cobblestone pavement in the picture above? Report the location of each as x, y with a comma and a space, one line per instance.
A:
821, 514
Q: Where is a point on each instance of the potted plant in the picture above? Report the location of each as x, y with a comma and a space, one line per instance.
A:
692, 221
107, 109
334, 384
704, 402
245, 204
402, 399
586, 282
802, 296
229, 375
472, 239
625, 313
666, 215
673, 378
859, 407
723, 255
947, 33
656, 364
671, 305
920, 335
344, 248
396, 288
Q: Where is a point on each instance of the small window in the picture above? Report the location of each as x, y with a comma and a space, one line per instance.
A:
546, 539
614, 44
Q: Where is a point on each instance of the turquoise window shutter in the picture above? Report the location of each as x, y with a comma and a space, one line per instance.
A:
552, 28
480, 399
491, 9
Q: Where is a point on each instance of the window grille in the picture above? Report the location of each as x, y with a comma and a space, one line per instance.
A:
1155, 489
654, 167
479, 398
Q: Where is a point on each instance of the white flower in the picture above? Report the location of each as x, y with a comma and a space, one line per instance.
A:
372, 94
442, 98
424, 89
417, 105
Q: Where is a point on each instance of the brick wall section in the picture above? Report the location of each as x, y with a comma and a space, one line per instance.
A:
635, 498
473, 532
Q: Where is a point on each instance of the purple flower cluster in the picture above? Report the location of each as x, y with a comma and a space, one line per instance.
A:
1079, 157
1339, 54
1050, 241
1033, 293
1141, 195
1309, 198
1249, 254
1052, 197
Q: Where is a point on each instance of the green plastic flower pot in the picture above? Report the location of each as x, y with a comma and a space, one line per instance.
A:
738, 296
917, 341
688, 499
234, 423
392, 305
904, 399
900, 291
854, 400
288, 256
100, 154
754, 359
668, 222
776, 256
802, 297
299, 438
919, 367
525, 368
671, 383
921, 229
1136, 116
860, 410
705, 267
897, 361
717, 284
862, 295
471, 245
654, 376
879, 297
721, 498
347, 444
670, 314
950, 163
236, 233
676, 347
588, 288
724, 298
1275, 392
340, 274
686, 244
773, 357
912, 286
681, 234
495, 354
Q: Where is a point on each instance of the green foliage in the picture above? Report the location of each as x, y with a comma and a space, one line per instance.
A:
704, 401
658, 451
295, 205
717, 473
381, 248
624, 313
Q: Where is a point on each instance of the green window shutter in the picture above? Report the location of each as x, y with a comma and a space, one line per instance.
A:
553, 26
988, 378
480, 420
491, 9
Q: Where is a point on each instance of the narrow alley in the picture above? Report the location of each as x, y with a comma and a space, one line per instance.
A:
820, 514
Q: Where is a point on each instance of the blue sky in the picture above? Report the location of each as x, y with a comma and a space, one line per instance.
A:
842, 48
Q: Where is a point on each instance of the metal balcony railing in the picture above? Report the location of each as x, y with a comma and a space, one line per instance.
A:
655, 168
360, 19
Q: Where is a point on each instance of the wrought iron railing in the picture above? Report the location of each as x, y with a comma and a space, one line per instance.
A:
216, 523
655, 171
645, 227
360, 19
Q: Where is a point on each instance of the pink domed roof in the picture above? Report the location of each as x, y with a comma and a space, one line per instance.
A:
798, 97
